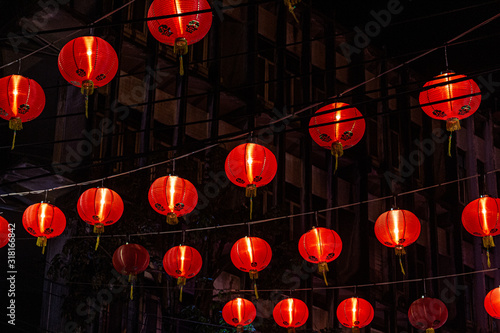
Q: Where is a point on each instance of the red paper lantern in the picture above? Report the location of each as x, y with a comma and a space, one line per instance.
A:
131, 259
88, 62
397, 228
481, 218
179, 31
239, 312
100, 207
21, 100
5, 232
290, 313
342, 134
44, 221
427, 314
182, 262
355, 313
320, 246
442, 108
492, 303
173, 196
251, 254
250, 165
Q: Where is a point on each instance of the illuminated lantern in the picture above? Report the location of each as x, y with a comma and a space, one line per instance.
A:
44, 221
397, 228
180, 31
427, 314
492, 303
251, 165
5, 232
100, 207
182, 262
290, 313
481, 218
442, 108
355, 313
239, 312
173, 196
340, 132
251, 254
320, 246
21, 100
131, 259
88, 62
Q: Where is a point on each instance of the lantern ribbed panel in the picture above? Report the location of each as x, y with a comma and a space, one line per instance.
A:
355, 312
492, 303
4, 232
88, 58
100, 205
130, 259
27, 104
348, 133
459, 108
320, 245
481, 217
290, 312
44, 220
191, 27
239, 311
397, 227
171, 194
251, 163
251, 253
427, 313
182, 261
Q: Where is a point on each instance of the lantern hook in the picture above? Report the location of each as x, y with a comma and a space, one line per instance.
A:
46, 194
425, 289
316, 218
183, 236
248, 228
446, 56
395, 201
19, 67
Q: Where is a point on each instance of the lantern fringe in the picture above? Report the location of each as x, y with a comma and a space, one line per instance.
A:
355, 329
172, 219
98, 229
239, 329
488, 243
291, 329
429, 330
42, 242
323, 268
251, 191
15, 124
87, 90
180, 49
181, 281
337, 151
291, 6
452, 125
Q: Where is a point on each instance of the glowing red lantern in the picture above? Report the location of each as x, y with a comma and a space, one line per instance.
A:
21, 100
320, 246
461, 106
397, 228
355, 313
5, 232
291, 313
340, 132
251, 254
100, 207
481, 218
44, 221
180, 31
88, 62
492, 303
172, 196
131, 259
427, 314
251, 165
182, 262
239, 312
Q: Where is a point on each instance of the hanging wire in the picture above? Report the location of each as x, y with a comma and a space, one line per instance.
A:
425, 288
316, 218
183, 236
19, 68
446, 56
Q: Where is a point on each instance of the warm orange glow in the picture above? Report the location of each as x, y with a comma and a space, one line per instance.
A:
249, 161
319, 246
171, 186
179, 18
249, 248
239, 306
483, 216
41, 220
16, 80
89, 44
354, 310
182, 250
396, 230
290, 310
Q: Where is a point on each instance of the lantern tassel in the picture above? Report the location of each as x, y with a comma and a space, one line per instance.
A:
132, 291
452, 125
255, 289
129, 277
291, 6
251, 191
15, 124
337, 151
180, 294
291, 330
181, 281
180, 49
172, 219
488, 243
97, 242
254, 275
42, 242
355, 329
239, 329
400, 252
87, 90
323, 268
98, 229
429, 330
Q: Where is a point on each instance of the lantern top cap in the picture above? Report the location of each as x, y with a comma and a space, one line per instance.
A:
448, 71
